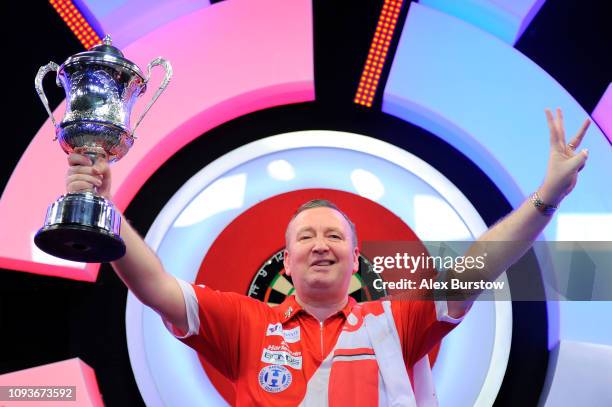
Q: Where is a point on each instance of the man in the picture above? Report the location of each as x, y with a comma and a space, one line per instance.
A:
319, 347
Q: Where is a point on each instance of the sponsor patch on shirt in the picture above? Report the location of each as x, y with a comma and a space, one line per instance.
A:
281, 357
274, 329
274, 379
290, 335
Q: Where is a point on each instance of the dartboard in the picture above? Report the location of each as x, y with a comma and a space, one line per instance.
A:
271, 285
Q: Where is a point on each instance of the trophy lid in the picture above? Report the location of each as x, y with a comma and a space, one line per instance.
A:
106, 54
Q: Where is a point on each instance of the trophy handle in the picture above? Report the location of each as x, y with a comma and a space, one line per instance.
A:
168, 68
42, 71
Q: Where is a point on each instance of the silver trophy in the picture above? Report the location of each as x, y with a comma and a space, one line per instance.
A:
101, 87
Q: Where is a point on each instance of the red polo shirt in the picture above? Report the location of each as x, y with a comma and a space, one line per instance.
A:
271, 353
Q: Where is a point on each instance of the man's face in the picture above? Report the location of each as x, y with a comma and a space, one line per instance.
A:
320, 256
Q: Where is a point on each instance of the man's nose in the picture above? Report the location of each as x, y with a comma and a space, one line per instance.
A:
320, 245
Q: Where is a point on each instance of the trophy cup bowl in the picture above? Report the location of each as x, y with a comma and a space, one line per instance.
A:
101, 87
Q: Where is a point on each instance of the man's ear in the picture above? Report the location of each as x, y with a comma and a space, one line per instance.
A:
355, 259
286, 262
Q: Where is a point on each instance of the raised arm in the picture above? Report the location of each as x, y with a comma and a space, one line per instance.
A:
140, 268
524, 224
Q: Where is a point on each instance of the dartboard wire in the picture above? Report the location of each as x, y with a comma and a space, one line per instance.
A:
355, 284
281, 284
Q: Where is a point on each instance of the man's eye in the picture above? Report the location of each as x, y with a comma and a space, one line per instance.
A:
304, 237
334, 236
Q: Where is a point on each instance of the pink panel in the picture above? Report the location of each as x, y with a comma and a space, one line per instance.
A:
603, 113
71, 372
229, 60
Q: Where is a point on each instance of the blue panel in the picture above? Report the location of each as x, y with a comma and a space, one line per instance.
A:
127, 20
485, 98
505, 19
100, 8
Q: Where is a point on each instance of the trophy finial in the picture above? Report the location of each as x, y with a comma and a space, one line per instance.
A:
106, 47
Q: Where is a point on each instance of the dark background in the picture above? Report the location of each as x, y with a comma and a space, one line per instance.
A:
45, 319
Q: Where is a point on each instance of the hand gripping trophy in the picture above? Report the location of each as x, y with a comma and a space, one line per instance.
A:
101, 87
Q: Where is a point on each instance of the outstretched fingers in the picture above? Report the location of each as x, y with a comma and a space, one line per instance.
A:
555, 141
560, 126
575, 143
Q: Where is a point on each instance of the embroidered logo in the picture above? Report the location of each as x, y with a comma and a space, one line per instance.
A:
274, 329
274, 379
289, 335
281, 357
292, 335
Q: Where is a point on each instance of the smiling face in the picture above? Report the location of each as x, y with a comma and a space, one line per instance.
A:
320, 255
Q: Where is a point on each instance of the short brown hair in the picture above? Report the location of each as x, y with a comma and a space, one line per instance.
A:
321, 203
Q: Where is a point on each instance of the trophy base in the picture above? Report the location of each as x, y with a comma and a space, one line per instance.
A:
82, 227
80, 243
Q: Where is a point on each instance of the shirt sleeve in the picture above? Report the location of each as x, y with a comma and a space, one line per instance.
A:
442, 313
421, 326
214, 320
191, 308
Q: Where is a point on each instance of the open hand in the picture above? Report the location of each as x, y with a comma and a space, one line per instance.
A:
564, 162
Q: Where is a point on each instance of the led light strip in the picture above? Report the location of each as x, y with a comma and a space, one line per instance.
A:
76, 22
378, 52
